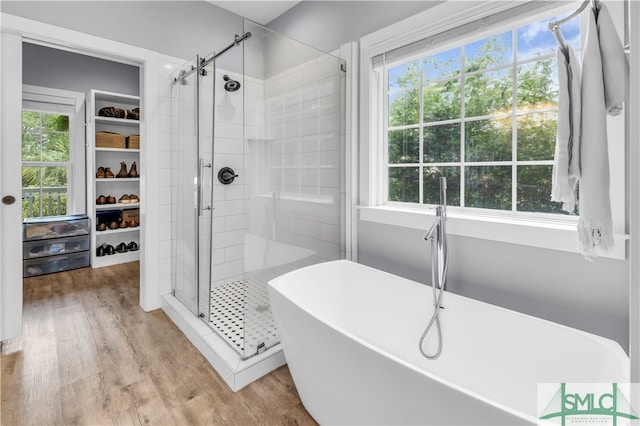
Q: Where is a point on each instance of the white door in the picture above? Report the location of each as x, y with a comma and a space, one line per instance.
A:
10, 187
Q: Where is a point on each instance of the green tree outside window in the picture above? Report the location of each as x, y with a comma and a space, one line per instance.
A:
45, 164
484, 115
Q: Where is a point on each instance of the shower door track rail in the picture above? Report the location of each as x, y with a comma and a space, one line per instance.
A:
204, 62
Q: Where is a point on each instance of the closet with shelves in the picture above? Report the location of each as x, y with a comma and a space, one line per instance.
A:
113, 176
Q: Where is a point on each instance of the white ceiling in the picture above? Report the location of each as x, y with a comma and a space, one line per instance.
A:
260, 11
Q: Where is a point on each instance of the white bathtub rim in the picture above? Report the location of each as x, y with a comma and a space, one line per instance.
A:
273, 285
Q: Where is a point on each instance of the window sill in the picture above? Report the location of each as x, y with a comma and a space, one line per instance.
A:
553, 235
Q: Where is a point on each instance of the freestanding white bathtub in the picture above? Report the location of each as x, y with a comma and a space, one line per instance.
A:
350, 336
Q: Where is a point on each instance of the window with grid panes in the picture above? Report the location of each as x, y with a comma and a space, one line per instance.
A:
483, 114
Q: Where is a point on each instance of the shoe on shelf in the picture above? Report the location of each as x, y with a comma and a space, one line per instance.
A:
111, 199
100, 173
132, 246
133, 223
101, 200
108, 173
100, 251
123, 171
112, 112
133, 114
124, 224
133, 198
125, 199
109, 250
133, 173
114, 225
101, 227
122, 248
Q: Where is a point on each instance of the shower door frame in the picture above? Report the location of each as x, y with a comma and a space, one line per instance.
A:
202, 281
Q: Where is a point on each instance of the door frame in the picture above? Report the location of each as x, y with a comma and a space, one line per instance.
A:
10, 185
147, 60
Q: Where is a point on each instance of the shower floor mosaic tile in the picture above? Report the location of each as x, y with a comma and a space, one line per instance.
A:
241, 313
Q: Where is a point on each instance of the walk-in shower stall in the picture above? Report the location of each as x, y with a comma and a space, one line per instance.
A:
258, 180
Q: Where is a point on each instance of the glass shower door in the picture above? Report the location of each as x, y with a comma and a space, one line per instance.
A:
191, 188
294, 167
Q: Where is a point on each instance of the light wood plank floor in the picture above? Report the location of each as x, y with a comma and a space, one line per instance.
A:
90, 355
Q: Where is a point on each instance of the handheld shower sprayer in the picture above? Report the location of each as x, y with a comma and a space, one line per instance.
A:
439, 262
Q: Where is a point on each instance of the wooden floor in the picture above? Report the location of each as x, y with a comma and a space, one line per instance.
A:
90, 355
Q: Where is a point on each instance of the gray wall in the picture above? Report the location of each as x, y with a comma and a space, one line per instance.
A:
177, 28
327, 25
59, 69
558, 286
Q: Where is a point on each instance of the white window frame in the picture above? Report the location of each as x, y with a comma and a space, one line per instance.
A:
556, 232
65, 102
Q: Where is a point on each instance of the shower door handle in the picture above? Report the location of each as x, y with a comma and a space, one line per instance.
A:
203, 165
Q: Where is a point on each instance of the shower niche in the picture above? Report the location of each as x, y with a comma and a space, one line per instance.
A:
258, 189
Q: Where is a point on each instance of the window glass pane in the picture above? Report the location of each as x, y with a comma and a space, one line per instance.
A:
441, 101
30, 192
442, 143
537, 136
30, 177
54, 191
488, 140
54, 177
404, 146
404, 184
536, 40
431, 185
488, 187
30, 146
488, 93
55, 122
404, 108
404, 76
442, 65
534, 189
537, 85
55, 146
489, 52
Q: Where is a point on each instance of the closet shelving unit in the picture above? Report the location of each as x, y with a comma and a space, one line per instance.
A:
112, 157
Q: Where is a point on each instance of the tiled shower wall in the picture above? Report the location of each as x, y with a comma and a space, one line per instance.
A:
297, 163
229, 216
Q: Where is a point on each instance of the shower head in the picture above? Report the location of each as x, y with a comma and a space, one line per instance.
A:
230, 85
181, 78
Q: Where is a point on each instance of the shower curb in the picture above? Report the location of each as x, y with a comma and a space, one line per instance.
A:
237, 373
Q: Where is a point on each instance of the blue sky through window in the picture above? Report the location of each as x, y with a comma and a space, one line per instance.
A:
532, 40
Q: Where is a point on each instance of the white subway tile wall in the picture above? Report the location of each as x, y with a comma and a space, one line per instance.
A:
283, 139
229, 200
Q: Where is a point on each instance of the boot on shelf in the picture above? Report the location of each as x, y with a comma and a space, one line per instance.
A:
123, 170
133, 173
